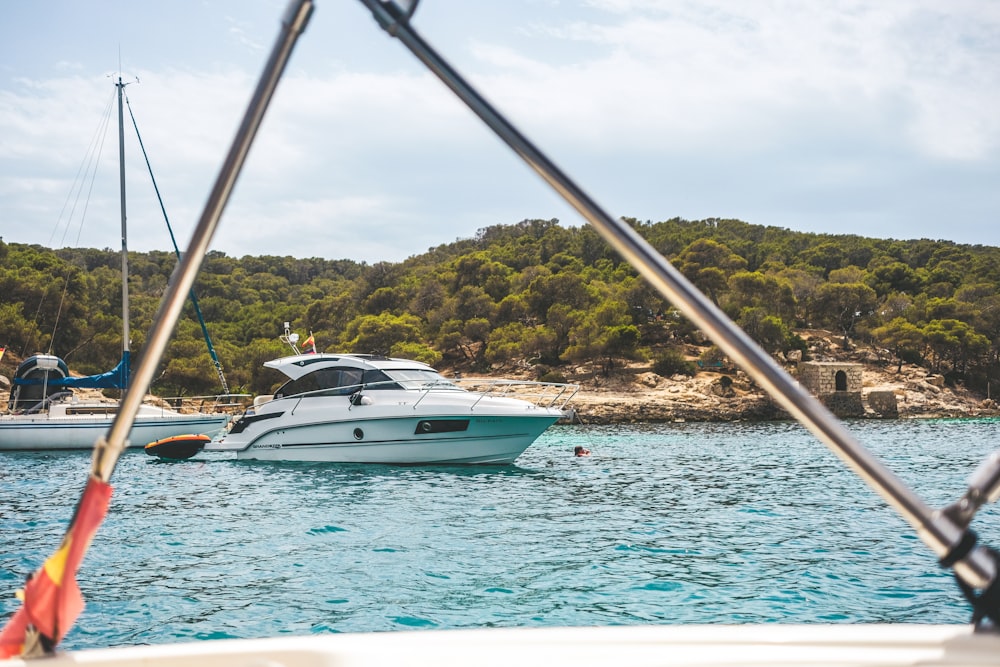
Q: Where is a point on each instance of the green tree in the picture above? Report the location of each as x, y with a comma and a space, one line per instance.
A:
848, 274
955, 342
894, 277
416, 351
562, 288
826, 256
803, 284
753, 289
770, 332
904, 338
391, 299
842, 305
379, 333
709, 264
605, 333
507, 343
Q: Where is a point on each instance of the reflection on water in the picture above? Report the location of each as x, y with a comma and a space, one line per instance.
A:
678, 523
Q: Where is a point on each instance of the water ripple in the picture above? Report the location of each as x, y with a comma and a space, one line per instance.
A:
676, 523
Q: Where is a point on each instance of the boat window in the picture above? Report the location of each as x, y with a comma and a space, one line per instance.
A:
93, 410
376, 379
415, 378
324, 382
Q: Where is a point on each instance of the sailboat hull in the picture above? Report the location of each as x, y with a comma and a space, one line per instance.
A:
46, 433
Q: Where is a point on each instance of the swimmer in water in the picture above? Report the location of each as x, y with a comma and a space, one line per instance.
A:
580, 451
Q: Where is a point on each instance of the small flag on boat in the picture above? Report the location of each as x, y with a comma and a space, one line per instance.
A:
2, 350
309, 347
51, 598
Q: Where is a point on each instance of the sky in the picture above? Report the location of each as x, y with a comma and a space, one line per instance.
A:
834, 116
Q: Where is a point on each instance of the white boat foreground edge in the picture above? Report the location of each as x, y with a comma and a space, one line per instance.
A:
635, 646
358, 408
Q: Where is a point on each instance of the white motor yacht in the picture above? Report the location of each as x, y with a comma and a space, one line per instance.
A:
353, 408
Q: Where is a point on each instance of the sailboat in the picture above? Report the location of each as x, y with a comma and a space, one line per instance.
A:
43, 412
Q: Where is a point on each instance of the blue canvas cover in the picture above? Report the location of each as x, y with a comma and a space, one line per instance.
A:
116, 378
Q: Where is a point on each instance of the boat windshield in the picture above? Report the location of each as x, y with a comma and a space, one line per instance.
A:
338, 381
415, 378
323, 382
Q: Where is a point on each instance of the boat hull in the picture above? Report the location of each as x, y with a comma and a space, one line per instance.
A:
357, 408
43, 433
450, 439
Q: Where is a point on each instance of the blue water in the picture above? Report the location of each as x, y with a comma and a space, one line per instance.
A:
664, 524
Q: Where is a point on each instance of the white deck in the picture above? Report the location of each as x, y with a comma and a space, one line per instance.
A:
757, 645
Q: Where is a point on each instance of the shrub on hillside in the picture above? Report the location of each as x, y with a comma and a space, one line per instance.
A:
553, 376
672, 362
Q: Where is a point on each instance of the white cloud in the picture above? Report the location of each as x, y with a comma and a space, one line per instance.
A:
685, 72
815, 115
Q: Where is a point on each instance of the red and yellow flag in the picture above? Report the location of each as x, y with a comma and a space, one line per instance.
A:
309, 347
51, 598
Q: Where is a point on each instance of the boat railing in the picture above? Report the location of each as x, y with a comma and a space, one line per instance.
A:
43, 405
543, 394
226, 403
220, 403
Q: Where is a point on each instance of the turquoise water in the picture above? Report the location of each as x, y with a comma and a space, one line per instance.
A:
664, 524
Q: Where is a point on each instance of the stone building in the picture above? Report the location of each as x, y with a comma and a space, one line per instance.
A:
836, 384
883, 403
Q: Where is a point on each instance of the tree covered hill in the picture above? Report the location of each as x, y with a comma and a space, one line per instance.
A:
535, 294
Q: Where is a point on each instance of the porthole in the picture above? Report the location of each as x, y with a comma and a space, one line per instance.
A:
358, 434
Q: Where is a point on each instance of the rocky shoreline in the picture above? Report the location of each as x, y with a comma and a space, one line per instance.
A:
635, 394
643, 396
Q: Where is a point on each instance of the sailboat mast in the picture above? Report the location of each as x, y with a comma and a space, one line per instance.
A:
121, 173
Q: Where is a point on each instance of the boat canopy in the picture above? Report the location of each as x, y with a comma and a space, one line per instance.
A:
43, 374
32, 381
116, 378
